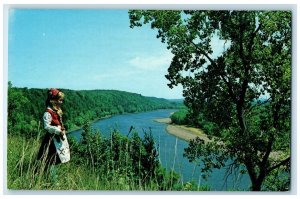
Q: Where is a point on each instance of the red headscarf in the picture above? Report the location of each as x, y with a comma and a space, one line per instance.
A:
52, 92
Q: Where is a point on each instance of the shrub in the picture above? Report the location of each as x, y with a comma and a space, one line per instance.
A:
179, 117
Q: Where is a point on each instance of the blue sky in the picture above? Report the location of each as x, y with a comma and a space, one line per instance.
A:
86, 49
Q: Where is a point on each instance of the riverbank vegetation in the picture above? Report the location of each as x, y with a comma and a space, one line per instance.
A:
118, 162
235, 69
180, 117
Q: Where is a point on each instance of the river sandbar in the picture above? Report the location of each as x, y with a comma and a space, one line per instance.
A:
182, 131
163, 120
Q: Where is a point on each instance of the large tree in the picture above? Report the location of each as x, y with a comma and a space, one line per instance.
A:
244, 90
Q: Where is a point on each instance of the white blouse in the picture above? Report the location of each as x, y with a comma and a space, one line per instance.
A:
47, 118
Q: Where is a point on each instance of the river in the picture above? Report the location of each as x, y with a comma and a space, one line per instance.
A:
170, 149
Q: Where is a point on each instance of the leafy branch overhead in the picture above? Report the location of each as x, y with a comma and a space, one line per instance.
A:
235, 68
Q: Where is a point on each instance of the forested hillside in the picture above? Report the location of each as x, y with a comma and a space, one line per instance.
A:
26, 106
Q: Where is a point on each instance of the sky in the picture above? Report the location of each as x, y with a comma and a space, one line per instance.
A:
84, 50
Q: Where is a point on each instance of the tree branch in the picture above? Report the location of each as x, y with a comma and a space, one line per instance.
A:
203, 53
230, 90
283, 162
228, 84
264, 161
252, 37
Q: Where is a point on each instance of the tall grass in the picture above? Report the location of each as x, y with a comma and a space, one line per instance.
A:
99, 169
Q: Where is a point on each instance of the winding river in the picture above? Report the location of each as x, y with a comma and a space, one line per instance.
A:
170, 149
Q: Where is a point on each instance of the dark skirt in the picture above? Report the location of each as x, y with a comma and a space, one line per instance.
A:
47, 151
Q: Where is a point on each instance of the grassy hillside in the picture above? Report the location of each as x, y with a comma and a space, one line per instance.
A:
115, 163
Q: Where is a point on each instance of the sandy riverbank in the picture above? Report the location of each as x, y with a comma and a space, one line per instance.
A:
188, 133
182, 131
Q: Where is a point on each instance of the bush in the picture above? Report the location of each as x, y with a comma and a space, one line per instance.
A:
179, 117
133, 159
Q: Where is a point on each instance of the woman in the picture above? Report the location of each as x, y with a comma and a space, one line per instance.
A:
54, 148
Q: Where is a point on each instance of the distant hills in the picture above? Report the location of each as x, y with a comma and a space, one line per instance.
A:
85, 105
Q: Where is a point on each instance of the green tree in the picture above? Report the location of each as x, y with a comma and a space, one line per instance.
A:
244, 90
180, 116
16, 103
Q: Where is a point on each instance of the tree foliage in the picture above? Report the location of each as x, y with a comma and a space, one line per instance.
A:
179, 117
235, 68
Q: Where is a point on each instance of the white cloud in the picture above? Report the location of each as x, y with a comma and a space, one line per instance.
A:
155, 62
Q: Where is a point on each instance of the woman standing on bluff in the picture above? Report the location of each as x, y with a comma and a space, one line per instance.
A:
54, 148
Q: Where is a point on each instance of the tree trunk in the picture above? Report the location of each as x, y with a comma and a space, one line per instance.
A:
256, 186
